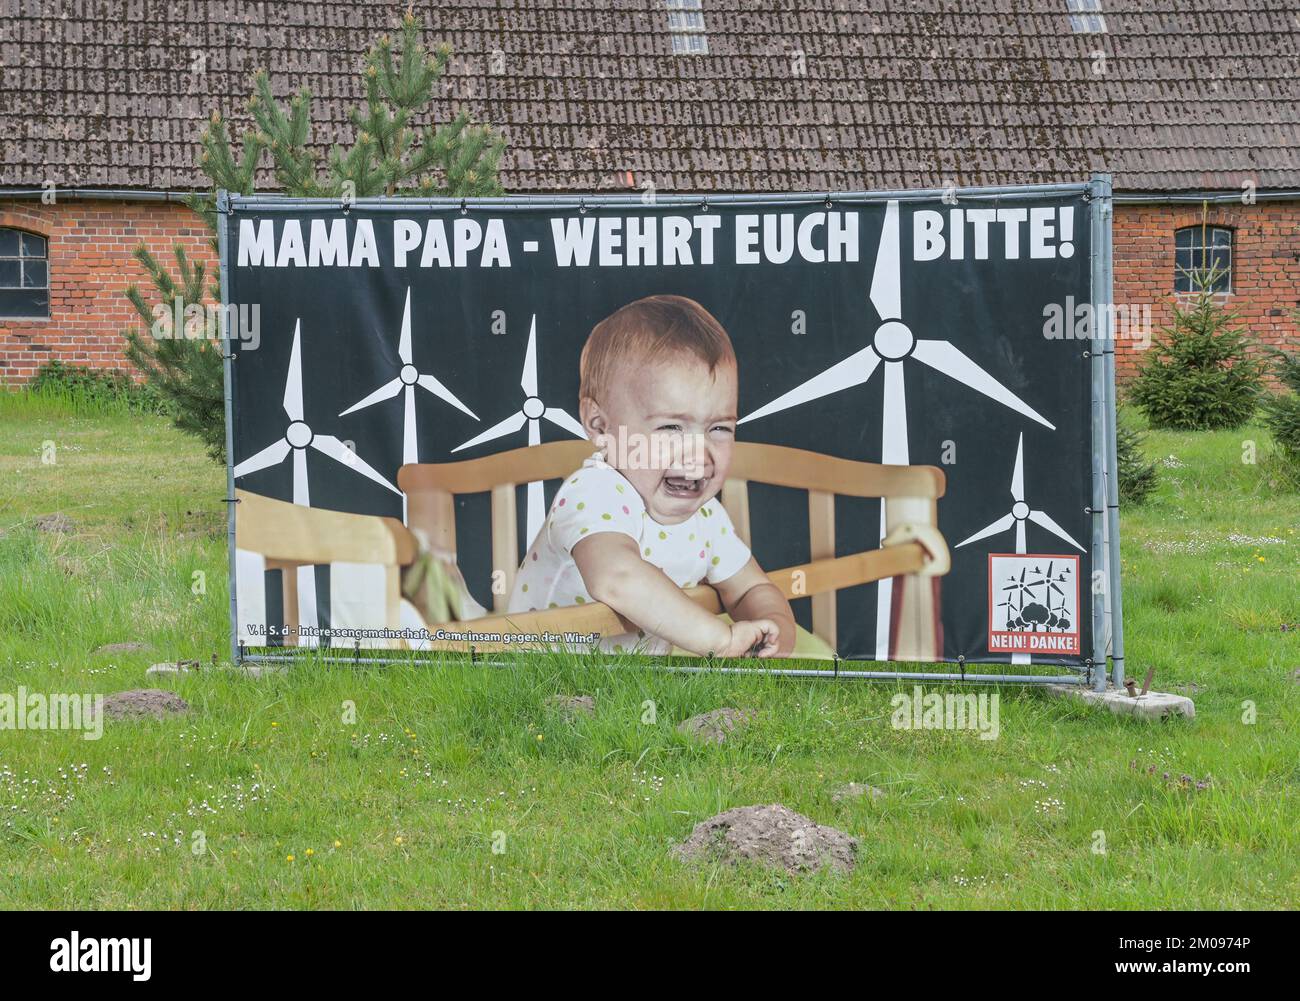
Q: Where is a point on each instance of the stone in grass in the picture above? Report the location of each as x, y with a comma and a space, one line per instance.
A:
855, 790
173, 667
573, 706
773, 835
57, 524
144, 703
130, 646
715, 726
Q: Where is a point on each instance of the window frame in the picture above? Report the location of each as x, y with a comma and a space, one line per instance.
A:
1202, 240
24, 301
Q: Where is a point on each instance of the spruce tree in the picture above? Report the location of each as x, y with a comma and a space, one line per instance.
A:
1199, 375
1282, 410
387, 156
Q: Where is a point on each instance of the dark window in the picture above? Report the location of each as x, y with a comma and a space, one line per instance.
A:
1203, 256
24, 275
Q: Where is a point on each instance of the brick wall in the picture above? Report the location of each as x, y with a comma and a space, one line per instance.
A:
91, 265
90, 245
1265, 266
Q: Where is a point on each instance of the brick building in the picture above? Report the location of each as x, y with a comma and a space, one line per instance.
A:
1194, 108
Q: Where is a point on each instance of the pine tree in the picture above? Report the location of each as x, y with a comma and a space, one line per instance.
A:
388, 156
1137, 474
1281, 411
1199, 375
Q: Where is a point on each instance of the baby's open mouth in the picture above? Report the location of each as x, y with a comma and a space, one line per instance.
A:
684, 487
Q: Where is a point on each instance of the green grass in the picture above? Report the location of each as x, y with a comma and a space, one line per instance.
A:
402, 807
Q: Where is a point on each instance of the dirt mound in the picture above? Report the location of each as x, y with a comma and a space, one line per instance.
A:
131, 646
716, 725
58, 524
143, 703
773, 835
572, 706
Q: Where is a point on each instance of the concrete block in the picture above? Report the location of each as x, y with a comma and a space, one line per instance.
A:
1152, 705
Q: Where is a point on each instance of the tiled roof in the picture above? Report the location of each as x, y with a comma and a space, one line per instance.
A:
793, 94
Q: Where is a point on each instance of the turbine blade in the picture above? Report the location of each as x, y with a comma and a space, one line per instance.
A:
944, 357
293, 381
529, 380
410, 446
511, 424
1001, 525
561, 419
887, 280
269, 456
852, 371
301, 493
443, 393
404, 345
336, 450
1041, 518
1018, 474
385, 392
893, 440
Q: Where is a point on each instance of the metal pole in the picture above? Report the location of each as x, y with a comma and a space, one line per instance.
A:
227, 355
784, 672
1116, 596
1100, 193
594, 200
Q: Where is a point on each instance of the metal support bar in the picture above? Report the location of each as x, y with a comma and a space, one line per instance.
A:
1115, 597
787, 672
1100, 189
223, 250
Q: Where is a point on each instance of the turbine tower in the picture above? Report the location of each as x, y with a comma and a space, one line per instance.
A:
892, 344
1020, 513
297, 438
408, 377
531, 413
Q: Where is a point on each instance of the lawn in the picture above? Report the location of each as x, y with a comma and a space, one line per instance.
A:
449, 785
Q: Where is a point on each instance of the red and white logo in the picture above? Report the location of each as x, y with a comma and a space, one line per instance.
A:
1034, 603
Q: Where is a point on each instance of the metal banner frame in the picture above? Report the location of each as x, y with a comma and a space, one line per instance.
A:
1107, 627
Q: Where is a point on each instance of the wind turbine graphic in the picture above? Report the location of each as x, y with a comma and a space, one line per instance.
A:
892, 343
1020, 513
407, 379
532, 413
298, 437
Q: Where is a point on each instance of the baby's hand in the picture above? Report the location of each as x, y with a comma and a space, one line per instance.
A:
752, 638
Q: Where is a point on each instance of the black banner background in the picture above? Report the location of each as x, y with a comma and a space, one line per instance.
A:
992, 310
